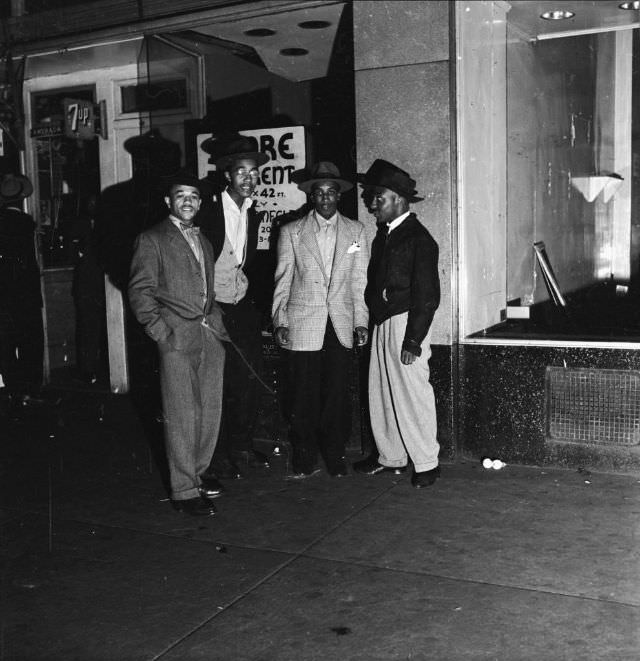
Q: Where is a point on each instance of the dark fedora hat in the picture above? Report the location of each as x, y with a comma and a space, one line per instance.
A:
14, 187
229, 147
320, 172
184, 178
387, 175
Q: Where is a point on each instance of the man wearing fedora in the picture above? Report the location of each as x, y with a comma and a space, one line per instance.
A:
318, 307
231, 223
403, 293
21, 327
171, 291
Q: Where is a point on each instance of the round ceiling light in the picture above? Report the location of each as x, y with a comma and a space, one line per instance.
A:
557, 15
294, 52
630, 5
314, 25
260, 32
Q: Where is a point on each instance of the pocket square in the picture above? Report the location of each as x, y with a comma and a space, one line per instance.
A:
354, 247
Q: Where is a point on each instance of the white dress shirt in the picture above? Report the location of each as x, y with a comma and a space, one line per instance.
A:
396, 221
235, 224
325, 231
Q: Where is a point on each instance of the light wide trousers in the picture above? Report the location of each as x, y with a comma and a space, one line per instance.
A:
191, 385
401, 400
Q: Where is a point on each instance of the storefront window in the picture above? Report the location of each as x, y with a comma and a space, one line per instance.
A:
68, 177
549, 154
572, 193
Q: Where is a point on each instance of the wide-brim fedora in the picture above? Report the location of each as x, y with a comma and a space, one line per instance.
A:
320, 172
387, 175
227, 148
14, 187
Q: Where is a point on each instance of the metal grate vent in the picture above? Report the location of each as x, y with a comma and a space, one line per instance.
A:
593, 405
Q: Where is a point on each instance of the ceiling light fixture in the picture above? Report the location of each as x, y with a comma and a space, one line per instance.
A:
557, 15
294, 52
314, 25
260, 32
630, 5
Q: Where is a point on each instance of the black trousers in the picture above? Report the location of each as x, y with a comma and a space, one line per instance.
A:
241, 389
320, 404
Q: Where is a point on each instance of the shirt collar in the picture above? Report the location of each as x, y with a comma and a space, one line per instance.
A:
394, 223
177, 222
321, 221
246, 203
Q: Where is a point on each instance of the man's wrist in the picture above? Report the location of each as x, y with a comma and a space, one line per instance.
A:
412, 347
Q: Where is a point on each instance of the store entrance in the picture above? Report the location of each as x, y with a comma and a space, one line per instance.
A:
68, 187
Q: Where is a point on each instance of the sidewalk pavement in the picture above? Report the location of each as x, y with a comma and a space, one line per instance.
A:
513, 564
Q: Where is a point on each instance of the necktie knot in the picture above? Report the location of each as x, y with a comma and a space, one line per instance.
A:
190, 229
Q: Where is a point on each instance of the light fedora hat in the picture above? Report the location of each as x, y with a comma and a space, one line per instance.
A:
320, 172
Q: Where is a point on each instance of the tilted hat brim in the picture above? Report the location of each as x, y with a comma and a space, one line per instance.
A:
409, 195
184, 179
308, 185
15, 188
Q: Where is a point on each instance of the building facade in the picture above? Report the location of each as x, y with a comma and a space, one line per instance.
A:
520, 130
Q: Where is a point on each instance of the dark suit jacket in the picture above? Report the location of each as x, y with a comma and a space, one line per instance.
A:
165, 288
403, 277
259, 265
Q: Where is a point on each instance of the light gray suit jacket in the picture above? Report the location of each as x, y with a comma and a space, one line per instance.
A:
165, 288
305, 296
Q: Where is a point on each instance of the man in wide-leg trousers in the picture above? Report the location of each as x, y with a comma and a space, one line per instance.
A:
401, 400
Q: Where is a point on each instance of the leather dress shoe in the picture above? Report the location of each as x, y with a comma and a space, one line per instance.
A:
197, 506
425, 478
225, 469
210, 487
301, 474
372, 466
251, 458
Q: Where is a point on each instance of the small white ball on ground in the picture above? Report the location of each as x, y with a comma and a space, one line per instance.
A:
487, 463
497, 464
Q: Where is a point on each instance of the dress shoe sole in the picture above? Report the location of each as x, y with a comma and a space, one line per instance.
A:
303, 475
397, 470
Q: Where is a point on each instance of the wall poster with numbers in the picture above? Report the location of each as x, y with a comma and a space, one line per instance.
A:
276, 193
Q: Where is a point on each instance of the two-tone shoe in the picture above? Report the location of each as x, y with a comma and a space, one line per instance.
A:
371, 466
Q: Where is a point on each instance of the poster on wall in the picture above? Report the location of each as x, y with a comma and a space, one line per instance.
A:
275, 194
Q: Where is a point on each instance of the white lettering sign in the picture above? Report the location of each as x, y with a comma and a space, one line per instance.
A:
275, 194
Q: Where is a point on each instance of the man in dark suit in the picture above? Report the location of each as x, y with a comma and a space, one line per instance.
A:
171, 291
21, 329
243, 286
403, 293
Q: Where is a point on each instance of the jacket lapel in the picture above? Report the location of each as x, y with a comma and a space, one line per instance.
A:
343, 240
253, 225
176, 239
308, 239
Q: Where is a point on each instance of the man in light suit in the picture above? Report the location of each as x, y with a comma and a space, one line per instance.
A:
171, 291
318, 307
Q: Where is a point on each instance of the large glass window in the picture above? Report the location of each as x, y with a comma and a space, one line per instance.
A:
549, 178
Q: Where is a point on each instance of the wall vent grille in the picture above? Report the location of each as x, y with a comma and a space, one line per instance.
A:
593, 405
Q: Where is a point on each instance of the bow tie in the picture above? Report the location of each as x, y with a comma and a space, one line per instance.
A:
190, 229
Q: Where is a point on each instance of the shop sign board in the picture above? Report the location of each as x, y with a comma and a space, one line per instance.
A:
52, 129
276, 193
78, 119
